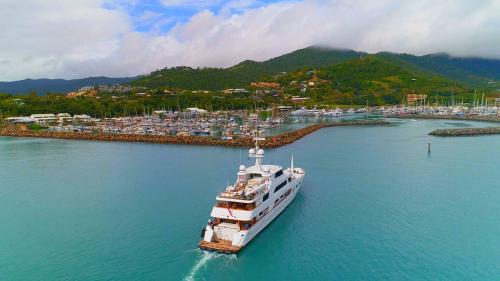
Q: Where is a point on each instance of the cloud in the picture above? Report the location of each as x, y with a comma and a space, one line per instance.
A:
191, 3
40, 37
84, 38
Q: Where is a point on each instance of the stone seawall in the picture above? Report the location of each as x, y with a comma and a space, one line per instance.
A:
459, 132
486, 118
270, 142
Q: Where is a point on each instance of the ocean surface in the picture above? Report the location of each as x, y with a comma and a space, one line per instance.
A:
374, 206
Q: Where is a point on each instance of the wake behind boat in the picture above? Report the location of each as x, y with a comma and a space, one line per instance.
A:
260, 194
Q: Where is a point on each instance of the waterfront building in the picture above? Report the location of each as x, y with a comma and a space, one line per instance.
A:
20, 120
43, 119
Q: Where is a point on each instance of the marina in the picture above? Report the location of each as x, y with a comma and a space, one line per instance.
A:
242, 140
275, 141
191, 122
374, 205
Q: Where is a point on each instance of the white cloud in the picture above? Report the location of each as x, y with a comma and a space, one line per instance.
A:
190, 3
39, 38
57, 39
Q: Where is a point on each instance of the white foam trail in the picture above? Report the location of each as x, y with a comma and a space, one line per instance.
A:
205, 258
232, 257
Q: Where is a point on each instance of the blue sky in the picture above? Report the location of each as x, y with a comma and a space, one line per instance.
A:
160, 16
81, 38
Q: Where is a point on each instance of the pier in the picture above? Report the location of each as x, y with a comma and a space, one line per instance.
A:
240, 141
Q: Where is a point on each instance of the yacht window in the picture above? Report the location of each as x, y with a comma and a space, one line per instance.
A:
280, 186
265, 197
254, 175
236, 205
278, 173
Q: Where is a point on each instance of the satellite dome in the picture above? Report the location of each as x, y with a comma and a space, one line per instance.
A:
265, 169
251, 151
242, 167
260, 152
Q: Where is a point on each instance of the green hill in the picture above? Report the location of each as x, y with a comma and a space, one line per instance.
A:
473, 72
312, 57
43, 86
470, 72
373, 74
372, 78
242, 74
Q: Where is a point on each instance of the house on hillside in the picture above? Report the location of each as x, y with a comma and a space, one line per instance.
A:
298, 100
235, 91
17, 101
265, 85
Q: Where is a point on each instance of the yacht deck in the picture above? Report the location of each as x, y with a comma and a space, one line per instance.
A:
221, 246
246, 191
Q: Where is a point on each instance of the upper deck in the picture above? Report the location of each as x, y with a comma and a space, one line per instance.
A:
251, 182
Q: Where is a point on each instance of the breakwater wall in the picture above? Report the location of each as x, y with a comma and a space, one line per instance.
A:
459, 132
486, 118
270, 142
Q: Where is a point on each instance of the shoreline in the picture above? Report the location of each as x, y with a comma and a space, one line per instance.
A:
270, 142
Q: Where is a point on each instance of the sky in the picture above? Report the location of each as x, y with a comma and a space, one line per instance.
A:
117, 38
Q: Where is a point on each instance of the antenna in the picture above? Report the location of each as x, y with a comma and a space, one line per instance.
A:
257, 153
256, 139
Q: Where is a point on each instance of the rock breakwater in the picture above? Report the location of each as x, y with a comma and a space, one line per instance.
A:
465, 132
486, 118
270, 142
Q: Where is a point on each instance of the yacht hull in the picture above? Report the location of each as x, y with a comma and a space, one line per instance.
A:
242, 238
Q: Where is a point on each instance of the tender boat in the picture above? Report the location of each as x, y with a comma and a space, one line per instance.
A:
260, 193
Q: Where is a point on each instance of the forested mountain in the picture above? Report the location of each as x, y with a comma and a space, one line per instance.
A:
240, 75
472, 73
43, 86
469, 72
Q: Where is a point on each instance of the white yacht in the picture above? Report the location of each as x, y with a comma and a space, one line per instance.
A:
260, 194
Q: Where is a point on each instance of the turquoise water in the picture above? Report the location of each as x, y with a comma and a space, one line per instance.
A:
374, 206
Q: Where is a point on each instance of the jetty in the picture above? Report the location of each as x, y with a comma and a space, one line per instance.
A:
484, 118
458, 132
239, 141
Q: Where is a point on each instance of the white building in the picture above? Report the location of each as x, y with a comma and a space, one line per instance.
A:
20, 120
195, 110
44, 118
82, 118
